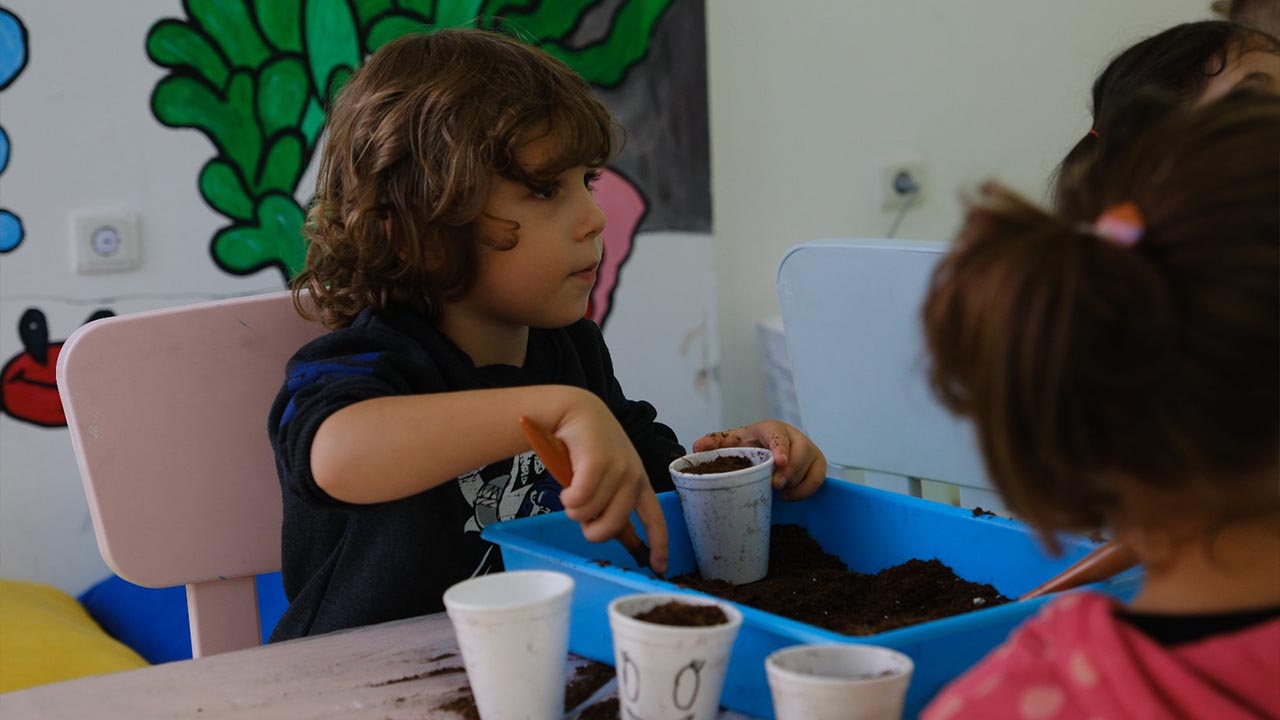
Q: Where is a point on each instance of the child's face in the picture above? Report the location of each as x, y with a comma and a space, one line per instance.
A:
546, 279
1258, 71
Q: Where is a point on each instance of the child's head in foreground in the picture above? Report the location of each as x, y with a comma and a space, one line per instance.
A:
1192, 63
1126, 376
417, 141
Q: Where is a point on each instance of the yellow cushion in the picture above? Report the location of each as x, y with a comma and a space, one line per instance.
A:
46, 636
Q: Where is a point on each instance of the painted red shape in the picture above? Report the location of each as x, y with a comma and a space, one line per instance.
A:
29, 389
624, 207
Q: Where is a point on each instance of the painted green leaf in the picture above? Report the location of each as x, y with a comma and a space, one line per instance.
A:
424, 8
546, 20
230, 26
312, 122
173, 44
275, 238
182, 101
367, 10
283, 92
338, 79
606, 63
281, 22
222, 188
459, 13
392, 26
331, 40
282, 165
499, 8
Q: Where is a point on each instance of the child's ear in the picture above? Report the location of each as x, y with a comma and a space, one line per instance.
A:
431, 257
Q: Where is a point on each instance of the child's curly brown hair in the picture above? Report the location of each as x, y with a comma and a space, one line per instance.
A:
413, 142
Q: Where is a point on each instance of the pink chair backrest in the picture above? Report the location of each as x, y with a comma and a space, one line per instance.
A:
168, 417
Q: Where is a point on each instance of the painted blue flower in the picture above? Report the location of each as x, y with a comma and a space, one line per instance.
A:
13, 47
13, 58
10, 231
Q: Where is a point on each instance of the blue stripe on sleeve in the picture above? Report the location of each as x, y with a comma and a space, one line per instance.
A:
307, 373
287, 415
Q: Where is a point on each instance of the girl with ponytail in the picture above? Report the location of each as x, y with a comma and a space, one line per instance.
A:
1121, 373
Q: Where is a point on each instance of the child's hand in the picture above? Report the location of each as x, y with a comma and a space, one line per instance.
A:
799, 466
609, 480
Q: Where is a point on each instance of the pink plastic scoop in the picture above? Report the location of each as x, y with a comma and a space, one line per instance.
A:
1106, 561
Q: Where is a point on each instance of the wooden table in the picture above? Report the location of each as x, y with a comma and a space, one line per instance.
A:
404, 669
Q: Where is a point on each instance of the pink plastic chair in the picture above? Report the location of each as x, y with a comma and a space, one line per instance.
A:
168, 417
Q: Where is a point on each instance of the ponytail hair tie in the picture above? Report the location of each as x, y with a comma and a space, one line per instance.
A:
1094, 132
1121, 224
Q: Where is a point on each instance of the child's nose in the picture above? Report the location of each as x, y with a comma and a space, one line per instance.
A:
594, 219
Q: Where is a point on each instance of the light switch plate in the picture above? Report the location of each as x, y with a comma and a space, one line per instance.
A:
104, 241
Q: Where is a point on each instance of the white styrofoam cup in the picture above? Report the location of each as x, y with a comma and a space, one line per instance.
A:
667, 671
728, 514
838, 682
513, 632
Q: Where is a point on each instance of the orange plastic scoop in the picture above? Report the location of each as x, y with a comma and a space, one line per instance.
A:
1107, 560
555, 456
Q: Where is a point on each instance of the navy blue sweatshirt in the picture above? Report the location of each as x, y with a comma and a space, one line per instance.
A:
348, 565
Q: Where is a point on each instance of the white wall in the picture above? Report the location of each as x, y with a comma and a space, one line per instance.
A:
807, 97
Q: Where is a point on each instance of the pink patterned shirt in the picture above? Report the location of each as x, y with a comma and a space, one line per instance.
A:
1077, 659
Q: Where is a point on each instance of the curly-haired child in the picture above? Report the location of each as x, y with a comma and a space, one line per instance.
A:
454, 242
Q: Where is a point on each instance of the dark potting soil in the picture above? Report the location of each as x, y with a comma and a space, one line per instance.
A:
586, 680
464, 706
603, 710
807, 584
683, 615
724, 463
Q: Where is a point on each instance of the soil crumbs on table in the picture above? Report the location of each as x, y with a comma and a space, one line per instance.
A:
807, 584
464, 706
586, 680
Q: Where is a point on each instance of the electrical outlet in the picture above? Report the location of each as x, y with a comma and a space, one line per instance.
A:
104, 241
896, 180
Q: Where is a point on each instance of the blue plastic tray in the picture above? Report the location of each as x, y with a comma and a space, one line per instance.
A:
868, 529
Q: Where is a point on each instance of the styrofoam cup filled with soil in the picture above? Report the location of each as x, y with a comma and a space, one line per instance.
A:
838, 682
671, 652
727, 503
513, 632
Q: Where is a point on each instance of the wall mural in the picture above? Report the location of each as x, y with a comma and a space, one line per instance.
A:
13, 58
254, 76
28, 381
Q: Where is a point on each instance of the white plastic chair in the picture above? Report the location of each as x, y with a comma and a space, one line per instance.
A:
851, 313
168, 417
